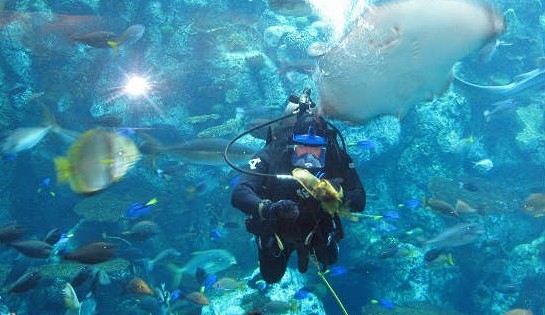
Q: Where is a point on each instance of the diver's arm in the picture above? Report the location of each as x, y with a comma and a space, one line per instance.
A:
247, 193
353, 190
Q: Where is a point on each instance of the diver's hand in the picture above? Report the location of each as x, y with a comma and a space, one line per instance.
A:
336, 183
285, 209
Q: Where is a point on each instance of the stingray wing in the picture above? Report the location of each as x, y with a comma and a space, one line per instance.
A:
399, 54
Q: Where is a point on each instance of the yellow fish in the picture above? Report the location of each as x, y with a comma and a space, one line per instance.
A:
131, 35
322, 190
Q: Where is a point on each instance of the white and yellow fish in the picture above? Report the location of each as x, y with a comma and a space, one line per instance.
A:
71, 300
98, 159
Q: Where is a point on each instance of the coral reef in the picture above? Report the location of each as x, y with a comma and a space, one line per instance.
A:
230, 127
411, 309
106, 207
278, 299
531, 138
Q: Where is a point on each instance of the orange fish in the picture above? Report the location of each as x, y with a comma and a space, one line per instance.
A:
197, 298
138, 286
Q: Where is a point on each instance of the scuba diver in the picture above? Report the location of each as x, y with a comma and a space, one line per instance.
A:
282, 215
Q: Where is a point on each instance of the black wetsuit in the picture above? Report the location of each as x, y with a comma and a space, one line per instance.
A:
314, 231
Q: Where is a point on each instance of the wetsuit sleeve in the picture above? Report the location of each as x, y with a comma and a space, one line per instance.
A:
354, 192
249, 191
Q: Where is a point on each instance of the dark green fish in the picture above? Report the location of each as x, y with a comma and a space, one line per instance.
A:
142, 231
432, 255
53, 236
25, 282
32, 248
10, 233
93, 253
97, 39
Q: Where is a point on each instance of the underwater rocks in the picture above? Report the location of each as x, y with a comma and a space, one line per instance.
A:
273, 34
241, 75
13, 50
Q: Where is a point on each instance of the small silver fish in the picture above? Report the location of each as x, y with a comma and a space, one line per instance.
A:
498, 107
211, 261
484, 165
24, 139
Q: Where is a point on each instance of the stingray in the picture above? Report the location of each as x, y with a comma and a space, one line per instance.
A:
399, 54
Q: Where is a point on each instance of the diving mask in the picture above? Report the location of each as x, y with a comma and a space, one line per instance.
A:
309, 150
308, 157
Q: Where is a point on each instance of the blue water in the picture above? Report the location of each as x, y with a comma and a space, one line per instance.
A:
201, 60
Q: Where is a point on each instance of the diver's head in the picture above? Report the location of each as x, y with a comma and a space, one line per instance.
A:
309, 142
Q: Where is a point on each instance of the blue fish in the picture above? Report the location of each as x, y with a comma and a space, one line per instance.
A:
261, 285
9, 157
391, 215
301, 294
215, 235
336, 271
140, 208
387, 304
46, 181
175, 294
62, 244
126, 132
208, 282
45, 185
366, 144
413, 203
234, 181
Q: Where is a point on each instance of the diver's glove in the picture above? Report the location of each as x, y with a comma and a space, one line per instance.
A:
336, 183
285, 209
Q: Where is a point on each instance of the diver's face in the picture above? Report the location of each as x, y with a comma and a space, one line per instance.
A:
309, 157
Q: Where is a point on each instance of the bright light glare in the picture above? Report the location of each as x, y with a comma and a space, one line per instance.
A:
137, 86
339, 13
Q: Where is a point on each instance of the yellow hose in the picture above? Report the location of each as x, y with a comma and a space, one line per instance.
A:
324, 280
